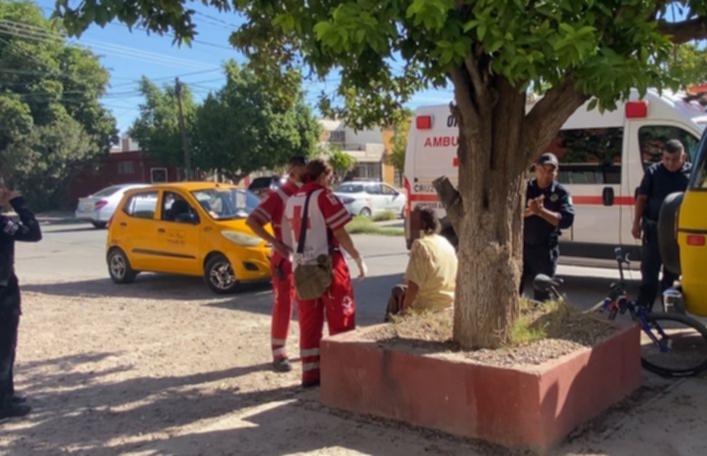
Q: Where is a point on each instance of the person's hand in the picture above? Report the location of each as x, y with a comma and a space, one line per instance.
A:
636, 231
536, 205
282, 248
362, 270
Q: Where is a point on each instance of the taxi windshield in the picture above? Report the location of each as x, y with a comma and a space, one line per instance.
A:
226, 203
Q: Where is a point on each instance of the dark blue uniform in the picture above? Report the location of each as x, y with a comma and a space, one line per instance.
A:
540, 238
658, 182
27, 230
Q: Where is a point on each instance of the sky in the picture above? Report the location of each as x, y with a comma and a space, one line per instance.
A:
130, 55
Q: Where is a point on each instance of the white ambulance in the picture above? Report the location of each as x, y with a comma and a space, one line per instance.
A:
602, 160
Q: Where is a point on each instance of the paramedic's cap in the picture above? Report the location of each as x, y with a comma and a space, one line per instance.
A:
548, 159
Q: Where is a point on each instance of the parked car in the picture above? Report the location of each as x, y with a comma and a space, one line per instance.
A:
187, 228
99, 207
369, 197
262, 186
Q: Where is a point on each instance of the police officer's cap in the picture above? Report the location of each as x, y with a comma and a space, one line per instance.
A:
548, 158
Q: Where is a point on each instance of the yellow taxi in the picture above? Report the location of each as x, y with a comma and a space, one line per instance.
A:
187, 228
683, 239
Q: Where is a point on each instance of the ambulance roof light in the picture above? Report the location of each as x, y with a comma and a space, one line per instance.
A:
423, 122
637, 109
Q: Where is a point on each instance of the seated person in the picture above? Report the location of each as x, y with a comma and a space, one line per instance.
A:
431, 274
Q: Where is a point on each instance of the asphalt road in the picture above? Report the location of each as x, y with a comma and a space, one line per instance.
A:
76, 253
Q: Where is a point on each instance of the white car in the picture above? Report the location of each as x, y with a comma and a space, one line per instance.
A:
370, 197
99, 207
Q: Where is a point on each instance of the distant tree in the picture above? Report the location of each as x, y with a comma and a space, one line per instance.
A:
689, 65
157, 127
396, 157
52, 124
340, 161
246, 127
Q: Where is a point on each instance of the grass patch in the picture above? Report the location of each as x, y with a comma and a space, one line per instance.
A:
365, 225
385, 216
538, 322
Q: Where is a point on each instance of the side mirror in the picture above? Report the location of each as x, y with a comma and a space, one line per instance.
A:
607, 196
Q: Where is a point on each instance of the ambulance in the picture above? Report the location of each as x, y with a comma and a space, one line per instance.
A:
602, 157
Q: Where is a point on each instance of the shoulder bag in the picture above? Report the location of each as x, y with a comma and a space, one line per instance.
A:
311, 280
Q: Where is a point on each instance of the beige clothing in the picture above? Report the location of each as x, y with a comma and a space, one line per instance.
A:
433, 267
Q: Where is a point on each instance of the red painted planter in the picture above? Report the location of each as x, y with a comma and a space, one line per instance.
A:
532, 407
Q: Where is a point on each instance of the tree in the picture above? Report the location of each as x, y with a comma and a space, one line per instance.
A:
245, 126
689, 65
157, 127
52, 124
340, 161
396, 157
493, 52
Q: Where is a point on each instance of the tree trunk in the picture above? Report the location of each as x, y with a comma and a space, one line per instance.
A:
497, 142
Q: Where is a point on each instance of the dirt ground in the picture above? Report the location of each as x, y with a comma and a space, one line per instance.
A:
172, 370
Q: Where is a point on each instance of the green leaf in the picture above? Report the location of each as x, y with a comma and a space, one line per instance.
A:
481, 31
592, 104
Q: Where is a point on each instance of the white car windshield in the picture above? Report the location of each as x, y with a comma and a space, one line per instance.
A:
227, 203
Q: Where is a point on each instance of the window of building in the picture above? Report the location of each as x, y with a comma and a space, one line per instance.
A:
158, 175
371, 171
651, 139
589, 156
142, 205
126, 167
337, 136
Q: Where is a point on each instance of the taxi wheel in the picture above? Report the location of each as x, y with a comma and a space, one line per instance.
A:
119, 267
219, 275
667, 236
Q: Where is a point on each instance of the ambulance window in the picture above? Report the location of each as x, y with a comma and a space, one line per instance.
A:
589, 156
651, 140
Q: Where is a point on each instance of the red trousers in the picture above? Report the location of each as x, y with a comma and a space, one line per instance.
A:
283, 291
339, 308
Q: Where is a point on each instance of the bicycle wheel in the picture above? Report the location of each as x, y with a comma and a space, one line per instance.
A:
680, 346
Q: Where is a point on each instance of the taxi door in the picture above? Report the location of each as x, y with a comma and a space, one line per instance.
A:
178, 234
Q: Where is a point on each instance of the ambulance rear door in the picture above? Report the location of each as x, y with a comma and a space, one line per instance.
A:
434, 155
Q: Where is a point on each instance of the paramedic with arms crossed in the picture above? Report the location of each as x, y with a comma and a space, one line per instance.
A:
271, 210
325, 235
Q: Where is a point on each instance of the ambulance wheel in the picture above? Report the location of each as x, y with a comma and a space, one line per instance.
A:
667, 232
365, 212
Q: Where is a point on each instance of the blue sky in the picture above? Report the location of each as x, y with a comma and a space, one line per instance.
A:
130, 55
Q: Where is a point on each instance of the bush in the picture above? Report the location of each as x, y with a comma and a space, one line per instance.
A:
385, 216
364, 225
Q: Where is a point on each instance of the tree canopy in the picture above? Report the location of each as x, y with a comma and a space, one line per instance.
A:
492, 52
689, 65
340, 161
238, 129
396, 156
51, 120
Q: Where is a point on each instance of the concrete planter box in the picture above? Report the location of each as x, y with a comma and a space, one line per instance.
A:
531, 407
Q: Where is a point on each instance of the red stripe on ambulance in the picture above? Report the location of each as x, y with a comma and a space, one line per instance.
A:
580, 200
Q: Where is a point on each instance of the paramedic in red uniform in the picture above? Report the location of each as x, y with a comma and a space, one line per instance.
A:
326, 235
271, 210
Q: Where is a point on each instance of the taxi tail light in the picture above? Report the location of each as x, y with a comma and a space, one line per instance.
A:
636, 109
696, 240
100, 204
423, 122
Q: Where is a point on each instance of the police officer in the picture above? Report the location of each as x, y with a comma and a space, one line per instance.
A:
669, 175
548, 210
27, 230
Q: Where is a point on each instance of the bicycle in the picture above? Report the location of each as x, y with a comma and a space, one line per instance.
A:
618, 302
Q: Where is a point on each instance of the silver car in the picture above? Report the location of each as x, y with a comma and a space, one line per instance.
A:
370, 197
99, 207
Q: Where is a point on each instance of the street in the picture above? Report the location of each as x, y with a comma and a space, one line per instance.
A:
77, 253
163, 366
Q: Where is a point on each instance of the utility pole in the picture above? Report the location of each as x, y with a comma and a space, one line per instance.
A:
183, 129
